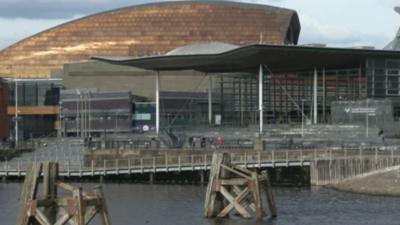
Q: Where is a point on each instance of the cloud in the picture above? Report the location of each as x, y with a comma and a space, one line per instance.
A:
59, 9
18, 29
314, 31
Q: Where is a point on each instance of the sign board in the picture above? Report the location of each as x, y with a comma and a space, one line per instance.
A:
361, 110
218, 119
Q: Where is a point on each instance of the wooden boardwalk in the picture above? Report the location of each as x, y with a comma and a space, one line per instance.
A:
202, 161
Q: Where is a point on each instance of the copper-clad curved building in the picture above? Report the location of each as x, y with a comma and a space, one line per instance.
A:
147, 30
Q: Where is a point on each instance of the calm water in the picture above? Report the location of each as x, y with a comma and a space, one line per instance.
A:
139, 204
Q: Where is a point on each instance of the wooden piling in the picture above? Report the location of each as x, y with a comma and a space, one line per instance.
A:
29, 191
236, 188
50, 174
266, 184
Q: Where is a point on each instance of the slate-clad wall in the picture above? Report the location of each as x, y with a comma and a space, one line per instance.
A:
147, 30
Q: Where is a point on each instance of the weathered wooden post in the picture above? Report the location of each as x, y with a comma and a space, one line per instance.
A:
50, 175
51, 209
236, 188
266, 184
102, 205
29, 191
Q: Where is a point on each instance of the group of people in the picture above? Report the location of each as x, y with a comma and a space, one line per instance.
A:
205, 142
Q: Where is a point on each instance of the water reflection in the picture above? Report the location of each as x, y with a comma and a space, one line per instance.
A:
183, 205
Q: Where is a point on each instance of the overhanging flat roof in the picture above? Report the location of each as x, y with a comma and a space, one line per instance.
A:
278, 58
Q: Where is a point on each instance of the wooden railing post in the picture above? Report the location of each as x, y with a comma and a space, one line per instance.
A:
69, 168
205, 161
104, 167
154, 164
166, 162
287, 158
116, 167
19, 168
192, 162
391, 156
273, 158
259, 159
92, 165
6, 169
179, 162
245, 159
376, 157
129, 166
80, 169
141, 165
301, 157
315, 154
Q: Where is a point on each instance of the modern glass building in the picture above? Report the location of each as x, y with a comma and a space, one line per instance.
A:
32, 105
87, 112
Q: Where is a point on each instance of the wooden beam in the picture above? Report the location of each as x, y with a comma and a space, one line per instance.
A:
235, 171
79, 214
50, 175
105, 218
29, 191
241, 210
257, 197
266, 185
90, 214
63, 219
210, 207
242, 195
234, 181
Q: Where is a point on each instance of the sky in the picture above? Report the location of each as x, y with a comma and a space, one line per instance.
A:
337, 23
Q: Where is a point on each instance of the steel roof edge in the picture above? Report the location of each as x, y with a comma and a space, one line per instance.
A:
249, 47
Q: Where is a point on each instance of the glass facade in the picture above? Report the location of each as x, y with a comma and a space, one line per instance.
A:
34, 93
144, 116
383, 76
36, 126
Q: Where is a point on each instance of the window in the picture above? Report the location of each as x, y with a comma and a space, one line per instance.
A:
393, 82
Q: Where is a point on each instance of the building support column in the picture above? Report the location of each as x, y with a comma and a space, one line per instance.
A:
315, 96
158, 102
359, 81
16, 113
260, 98
323, 95
210, 100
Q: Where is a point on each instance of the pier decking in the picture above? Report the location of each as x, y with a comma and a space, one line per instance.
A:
202, 161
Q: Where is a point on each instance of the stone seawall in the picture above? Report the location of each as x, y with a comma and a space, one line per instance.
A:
335, 171
384, 182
